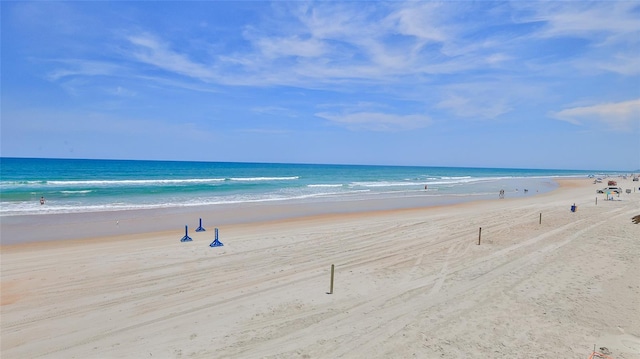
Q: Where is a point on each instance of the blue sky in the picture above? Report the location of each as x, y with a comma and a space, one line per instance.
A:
481, 84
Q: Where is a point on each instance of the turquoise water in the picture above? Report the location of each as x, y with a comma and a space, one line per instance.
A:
73, 185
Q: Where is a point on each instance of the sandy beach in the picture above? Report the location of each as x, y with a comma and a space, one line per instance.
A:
544, 282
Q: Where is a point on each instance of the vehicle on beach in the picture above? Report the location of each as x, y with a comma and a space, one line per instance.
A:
610, 189
612, 183
635, 179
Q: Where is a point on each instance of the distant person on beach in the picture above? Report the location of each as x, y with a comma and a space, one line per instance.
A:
501, 193
41, 200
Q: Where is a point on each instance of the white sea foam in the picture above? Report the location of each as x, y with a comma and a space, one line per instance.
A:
143, 182
385, 184
433, 181
34, 208
455, 178
140, 182
264, 178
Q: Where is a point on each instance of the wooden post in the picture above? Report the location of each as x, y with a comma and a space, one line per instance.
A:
540, 221
479, 235
596, 200
331, 286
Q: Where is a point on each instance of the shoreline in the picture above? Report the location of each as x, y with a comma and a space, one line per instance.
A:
29, 229
194, 186
19, 229
409, 283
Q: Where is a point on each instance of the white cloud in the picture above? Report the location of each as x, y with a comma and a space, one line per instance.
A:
334, 21
483, 100
342, 46
327, 44
290, 46
470, 107
337, 43
376, 121
153, 51
611, 28
275, 111
617, 116
586, 19
622, 62
422, 20
79, 67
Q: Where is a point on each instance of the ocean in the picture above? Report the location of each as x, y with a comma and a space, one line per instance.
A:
83, 185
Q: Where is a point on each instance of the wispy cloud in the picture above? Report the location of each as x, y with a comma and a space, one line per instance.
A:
423, 21
151, 50
328, 44
290, 46
611, 29
377, 121
604, 19
625, 62
617, 116
474, 108
341, 46
81, 67
275, 111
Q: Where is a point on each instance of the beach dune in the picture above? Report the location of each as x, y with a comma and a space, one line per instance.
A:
505, 278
